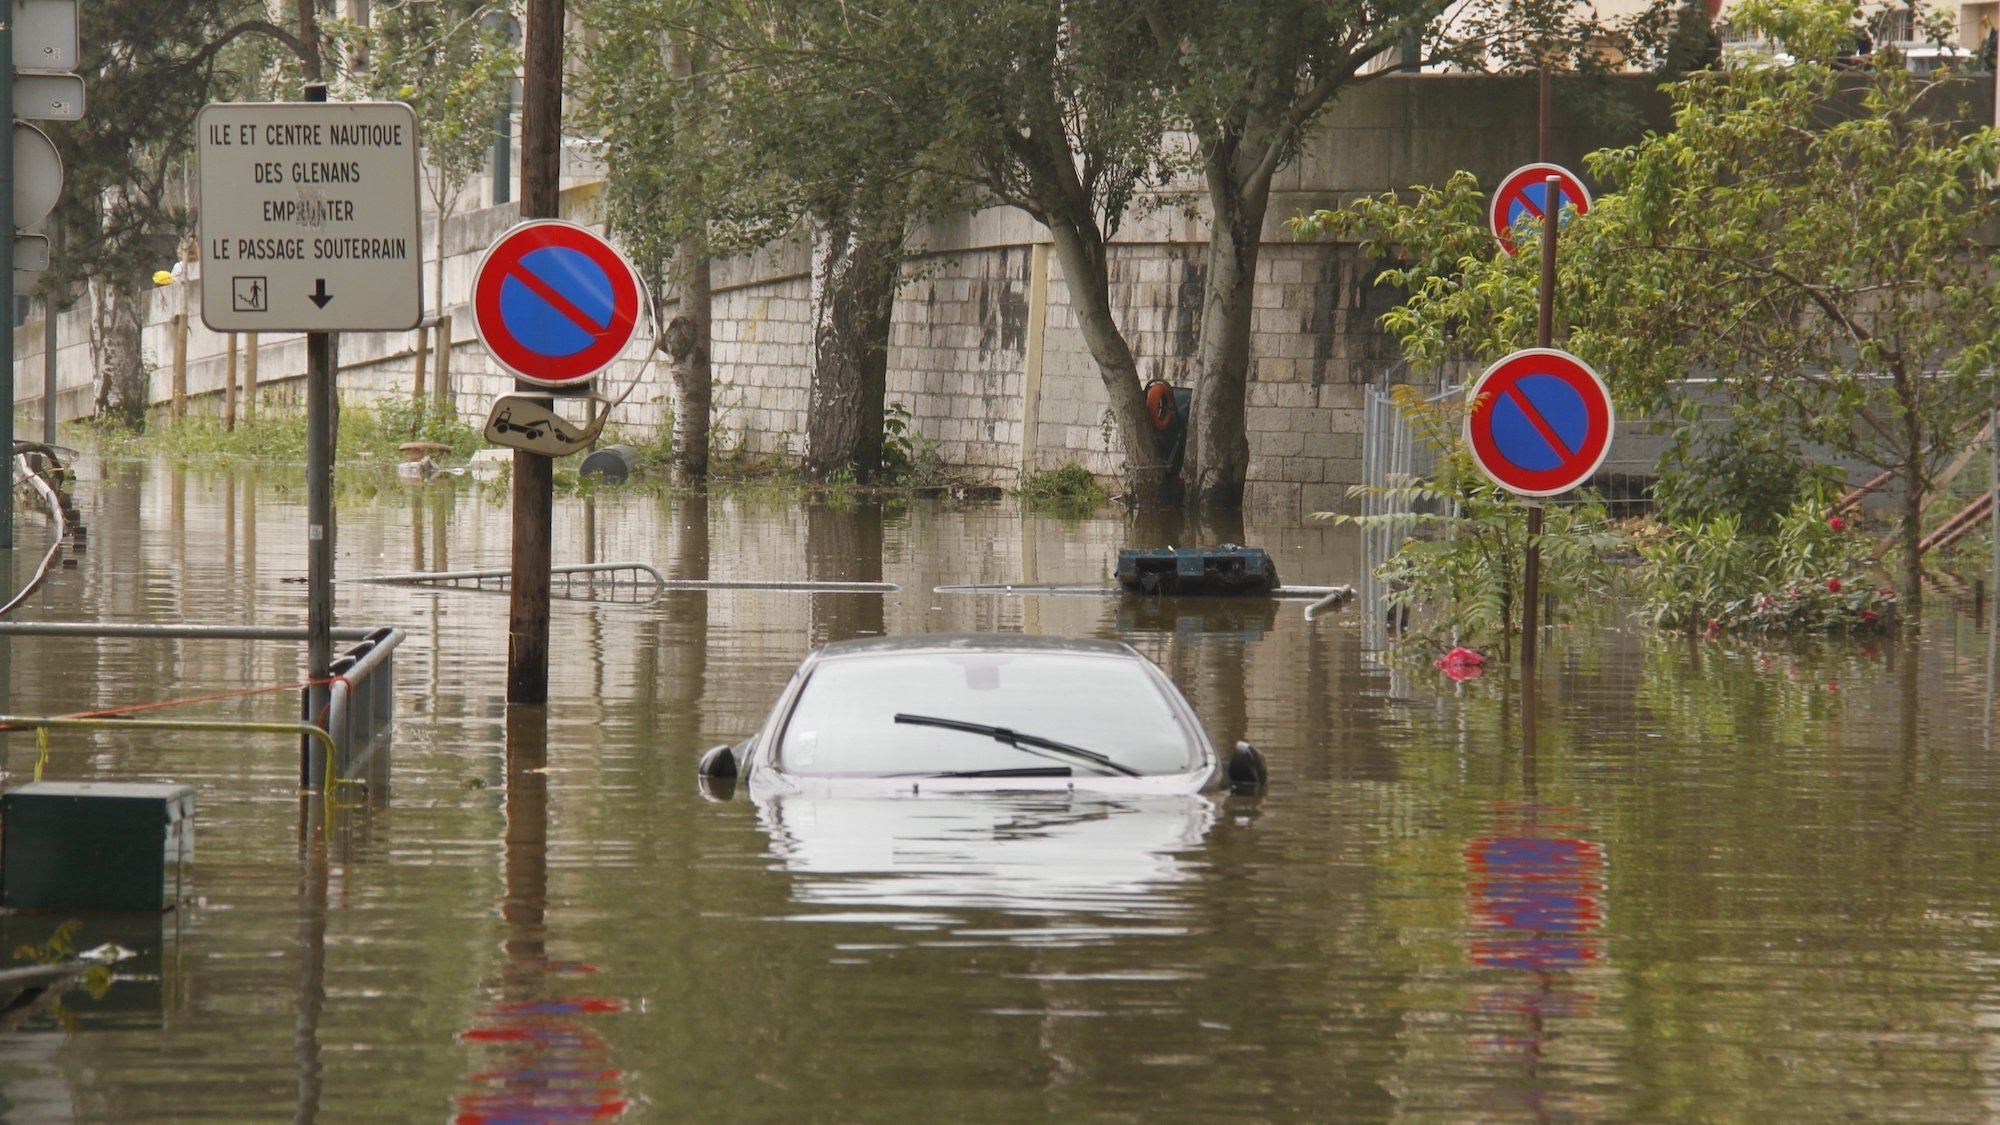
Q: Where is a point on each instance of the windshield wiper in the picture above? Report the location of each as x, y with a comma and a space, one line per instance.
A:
1029, 742
1018, 771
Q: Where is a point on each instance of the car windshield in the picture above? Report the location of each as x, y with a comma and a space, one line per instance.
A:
844, 724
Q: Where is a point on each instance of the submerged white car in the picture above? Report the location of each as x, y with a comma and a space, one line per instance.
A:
979, 712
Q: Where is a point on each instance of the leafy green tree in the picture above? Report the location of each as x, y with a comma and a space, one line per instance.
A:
1248, 80
453, 62
150, 68
1810, 236
865, 119
726, 125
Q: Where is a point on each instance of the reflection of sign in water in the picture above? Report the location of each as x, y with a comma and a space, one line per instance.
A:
1539, 897
552, 1066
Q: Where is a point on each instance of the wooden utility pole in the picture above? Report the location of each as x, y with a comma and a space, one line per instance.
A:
534, 474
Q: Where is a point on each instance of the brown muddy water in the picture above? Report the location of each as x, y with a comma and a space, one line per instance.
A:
1717, 882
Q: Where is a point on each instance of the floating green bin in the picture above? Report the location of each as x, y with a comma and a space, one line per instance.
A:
95, 845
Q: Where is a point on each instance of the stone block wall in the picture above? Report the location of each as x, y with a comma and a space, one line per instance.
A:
986, 356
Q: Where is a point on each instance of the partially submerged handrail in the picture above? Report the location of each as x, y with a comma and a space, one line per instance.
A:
374, 654
429, 577
653, 578
58, 722
172, 631
1283, 593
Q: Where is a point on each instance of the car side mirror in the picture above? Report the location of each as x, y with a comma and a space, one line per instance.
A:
719, 761
1247, 774
716, 775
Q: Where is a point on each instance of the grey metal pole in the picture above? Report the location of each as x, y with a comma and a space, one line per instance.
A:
7, 337
319, 528
49, 371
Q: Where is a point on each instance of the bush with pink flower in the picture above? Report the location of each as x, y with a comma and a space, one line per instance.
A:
1814, 574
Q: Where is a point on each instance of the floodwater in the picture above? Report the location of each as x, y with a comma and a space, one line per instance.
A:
1672, 881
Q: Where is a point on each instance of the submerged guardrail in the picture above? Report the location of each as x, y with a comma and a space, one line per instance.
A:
361, 698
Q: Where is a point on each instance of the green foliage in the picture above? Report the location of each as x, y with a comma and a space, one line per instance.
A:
451, 60
1070, 487
60, 947
911, 459
1752, 471
1814, 574
389, 422
150, 67
1809, 234
366, 432
1460, 572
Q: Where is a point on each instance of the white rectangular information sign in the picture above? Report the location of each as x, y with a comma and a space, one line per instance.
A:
309, 219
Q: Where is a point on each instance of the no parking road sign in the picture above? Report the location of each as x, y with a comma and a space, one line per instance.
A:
1524, 194
1541, 423
554, 303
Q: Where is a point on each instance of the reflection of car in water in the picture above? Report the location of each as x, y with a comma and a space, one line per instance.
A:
965, 713
927, 862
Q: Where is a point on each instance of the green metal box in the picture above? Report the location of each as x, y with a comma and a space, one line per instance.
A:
95, 845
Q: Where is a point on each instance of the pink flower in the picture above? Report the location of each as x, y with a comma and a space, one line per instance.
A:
1833, 584
1836, 523
1870, 617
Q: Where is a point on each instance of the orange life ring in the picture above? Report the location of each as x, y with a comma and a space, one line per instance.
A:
1160, 405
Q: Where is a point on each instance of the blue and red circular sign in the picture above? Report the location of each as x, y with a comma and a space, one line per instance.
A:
554, 302
1541, 422
1524, 194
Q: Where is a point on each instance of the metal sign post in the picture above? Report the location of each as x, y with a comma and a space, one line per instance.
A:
309, 223
320, 361
7, 337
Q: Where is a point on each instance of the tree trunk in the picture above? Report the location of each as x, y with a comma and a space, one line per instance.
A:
1916, 476
686, 344
1911, 611
853, 285
1218, 449
688, 334
121, 364
1219, 445
1085, 269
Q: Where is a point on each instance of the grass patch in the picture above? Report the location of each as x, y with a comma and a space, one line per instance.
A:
1070, 488
373, 431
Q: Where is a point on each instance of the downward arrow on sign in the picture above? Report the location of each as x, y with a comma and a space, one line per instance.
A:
319, 295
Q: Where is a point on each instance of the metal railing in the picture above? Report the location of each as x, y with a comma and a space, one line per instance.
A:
361, 701
1390, 454
644, 575
612, 576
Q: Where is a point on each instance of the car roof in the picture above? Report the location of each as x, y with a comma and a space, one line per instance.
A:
975, 642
